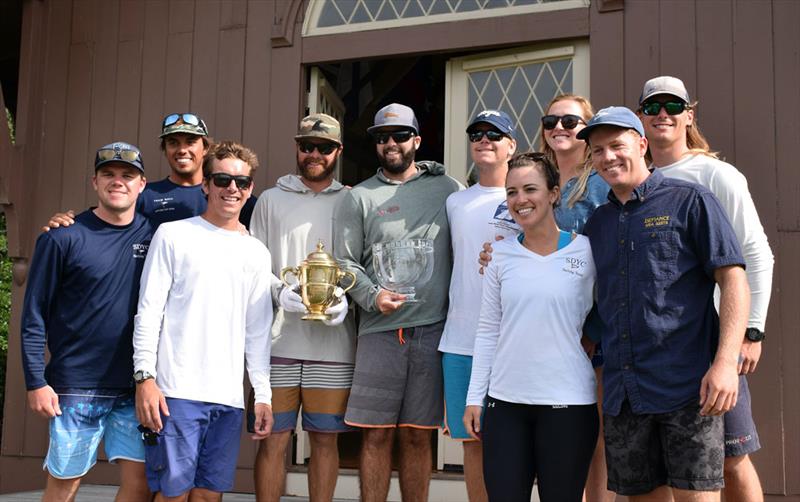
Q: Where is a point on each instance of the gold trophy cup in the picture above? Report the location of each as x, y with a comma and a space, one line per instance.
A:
318, 277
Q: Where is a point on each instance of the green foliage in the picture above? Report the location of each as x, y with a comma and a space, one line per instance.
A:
11, 131
5, 307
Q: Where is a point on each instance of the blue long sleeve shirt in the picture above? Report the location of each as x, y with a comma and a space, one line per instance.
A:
81, 297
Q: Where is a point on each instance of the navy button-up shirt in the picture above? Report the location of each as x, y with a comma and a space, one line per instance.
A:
655, 257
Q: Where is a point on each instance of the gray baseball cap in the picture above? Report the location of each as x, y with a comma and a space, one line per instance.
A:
121, 152
664, 85
395, 115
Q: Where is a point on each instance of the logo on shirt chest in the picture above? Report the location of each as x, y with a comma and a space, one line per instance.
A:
383, 211
574, 266
140, 251
656, 221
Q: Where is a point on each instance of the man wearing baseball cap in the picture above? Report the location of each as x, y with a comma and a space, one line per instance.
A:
311, 362
80, 302
398, 374
679, 150
660, 246
185, 141
475, 215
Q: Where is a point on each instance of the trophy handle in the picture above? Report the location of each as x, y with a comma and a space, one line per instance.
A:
287, 271
352, 276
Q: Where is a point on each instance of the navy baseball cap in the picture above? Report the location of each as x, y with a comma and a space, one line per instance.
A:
499, 119
119, 152
395, 115
617, 116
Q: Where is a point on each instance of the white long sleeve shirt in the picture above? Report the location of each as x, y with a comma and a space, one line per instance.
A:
204, 307
730, 187
527, 348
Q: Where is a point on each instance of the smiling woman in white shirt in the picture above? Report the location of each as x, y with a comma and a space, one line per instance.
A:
529, 368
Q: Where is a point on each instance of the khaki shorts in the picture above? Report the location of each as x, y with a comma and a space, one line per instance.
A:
398, 384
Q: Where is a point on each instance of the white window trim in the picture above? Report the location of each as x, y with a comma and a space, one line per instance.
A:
315, 7
456, 85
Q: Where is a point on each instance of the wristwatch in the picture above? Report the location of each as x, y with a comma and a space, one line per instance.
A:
141, 375
754, 334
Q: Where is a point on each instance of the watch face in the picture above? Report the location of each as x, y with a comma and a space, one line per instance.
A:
754, 334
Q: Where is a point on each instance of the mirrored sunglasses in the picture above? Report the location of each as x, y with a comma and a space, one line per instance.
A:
672, 107
186, 118
121, 154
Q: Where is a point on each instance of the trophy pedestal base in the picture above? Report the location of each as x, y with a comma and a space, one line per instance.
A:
316, 317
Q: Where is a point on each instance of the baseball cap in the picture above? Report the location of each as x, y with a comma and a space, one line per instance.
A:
496, 118
119, 151
664, 85
618, 116
187, 123
397, 115
320, 125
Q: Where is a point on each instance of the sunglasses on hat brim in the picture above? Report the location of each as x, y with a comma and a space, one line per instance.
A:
125, 154
186, 118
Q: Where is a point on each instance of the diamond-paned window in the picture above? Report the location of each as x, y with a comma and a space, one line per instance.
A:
523, 92
334, 16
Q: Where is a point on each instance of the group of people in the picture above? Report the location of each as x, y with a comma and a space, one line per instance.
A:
592, 313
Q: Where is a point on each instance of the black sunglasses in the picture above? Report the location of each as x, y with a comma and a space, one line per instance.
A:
476, 136
568, 121
323, 148
398, 136
126, 155
672, 107
223, 180
186, 118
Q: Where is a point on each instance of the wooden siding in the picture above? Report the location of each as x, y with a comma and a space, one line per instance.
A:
94, 71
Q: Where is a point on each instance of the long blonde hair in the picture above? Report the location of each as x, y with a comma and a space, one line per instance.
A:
585, 170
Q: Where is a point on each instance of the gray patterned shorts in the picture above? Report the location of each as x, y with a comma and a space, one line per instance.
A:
681, 449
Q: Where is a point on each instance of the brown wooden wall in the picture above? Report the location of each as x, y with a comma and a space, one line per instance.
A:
94, 71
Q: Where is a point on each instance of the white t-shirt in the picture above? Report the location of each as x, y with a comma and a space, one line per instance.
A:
730, 187
204, 307
527, 349
476, 215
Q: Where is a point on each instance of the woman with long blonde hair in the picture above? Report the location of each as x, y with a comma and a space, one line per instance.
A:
582, 190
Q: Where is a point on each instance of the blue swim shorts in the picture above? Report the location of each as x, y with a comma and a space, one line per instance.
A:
87, 416
457, 369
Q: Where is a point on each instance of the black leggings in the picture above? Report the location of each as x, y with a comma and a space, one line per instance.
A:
523, 442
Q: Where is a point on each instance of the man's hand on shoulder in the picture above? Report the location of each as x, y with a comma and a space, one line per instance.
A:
263, 422
44, 401
150, 404
60, 220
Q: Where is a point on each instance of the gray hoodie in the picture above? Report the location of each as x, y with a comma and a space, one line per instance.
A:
383, 210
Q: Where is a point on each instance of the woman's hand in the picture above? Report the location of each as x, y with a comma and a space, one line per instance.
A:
472, 421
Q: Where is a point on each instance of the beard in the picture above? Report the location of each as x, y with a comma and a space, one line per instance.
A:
313, 174
400, 165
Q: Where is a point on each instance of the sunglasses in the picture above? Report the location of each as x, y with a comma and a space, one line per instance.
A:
672, 107
322, 148
126, 155
398, 136
568, 121
476, 136
223, 180
186, 118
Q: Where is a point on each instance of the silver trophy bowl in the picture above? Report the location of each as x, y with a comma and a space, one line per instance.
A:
400, 266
